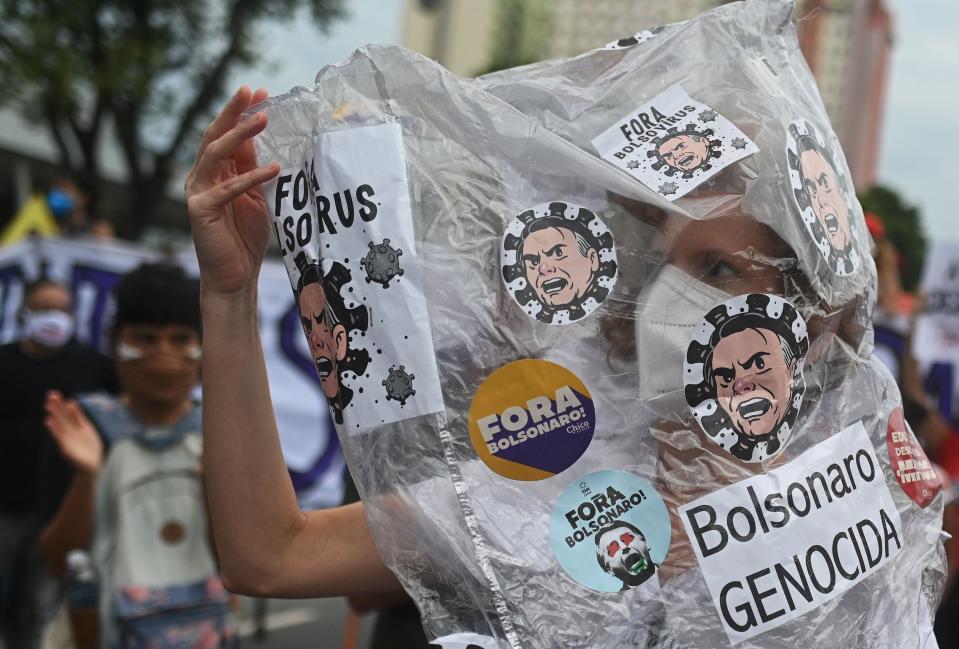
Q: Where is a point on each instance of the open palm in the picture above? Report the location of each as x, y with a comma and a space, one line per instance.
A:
75, 435
228, 213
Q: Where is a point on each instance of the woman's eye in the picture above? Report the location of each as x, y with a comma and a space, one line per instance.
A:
720, 270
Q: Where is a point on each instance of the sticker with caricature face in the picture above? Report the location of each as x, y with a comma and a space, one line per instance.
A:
632, 41
464, 641
333, 330
743, 374
344, 227
610, 532
823, 195
673, 143
559, 262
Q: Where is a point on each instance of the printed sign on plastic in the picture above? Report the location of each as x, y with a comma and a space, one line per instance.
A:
743, 374
823, 195
559, 262
610, 531
776, 546
673, 143
531, 419
344, 226
913, 470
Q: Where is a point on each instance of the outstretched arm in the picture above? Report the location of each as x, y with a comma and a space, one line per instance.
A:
80, 444
266, 545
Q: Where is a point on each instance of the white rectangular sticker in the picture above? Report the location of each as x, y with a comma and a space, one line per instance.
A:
776, 546
345, 229
673, 143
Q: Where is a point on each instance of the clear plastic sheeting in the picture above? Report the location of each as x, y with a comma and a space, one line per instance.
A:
597, 337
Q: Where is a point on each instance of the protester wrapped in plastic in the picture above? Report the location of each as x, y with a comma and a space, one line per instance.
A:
590, 403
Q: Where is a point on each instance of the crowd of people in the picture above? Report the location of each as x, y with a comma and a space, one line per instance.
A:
899, 309
100, 458
102, 463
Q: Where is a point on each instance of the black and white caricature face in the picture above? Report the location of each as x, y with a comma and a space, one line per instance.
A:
743, 374
827, 197
327, 323
686, 151
326, 336
559, 262
622, 551
823, 196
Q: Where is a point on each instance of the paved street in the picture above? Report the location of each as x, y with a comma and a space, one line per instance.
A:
290, 624
300, 624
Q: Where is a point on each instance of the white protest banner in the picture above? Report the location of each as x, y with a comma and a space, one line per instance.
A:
91, 270
776, 546
937, 330
935, 342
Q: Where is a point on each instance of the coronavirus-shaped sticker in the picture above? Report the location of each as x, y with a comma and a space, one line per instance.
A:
559, 262
823, 195
743, 374
382, 263
399, 385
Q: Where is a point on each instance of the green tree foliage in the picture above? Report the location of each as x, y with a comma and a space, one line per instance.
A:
154, 69
520, 38
903, 227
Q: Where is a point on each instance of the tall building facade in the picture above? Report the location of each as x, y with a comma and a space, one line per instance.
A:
581, 26
459, 34
847, 44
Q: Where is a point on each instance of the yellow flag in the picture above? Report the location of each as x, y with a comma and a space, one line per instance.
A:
33, 218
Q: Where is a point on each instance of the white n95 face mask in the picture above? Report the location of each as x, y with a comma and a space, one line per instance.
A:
48, 328
667, 311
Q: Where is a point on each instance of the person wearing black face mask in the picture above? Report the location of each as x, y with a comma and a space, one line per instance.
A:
33, 475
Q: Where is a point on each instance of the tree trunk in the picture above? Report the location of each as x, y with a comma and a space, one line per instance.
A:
144, 206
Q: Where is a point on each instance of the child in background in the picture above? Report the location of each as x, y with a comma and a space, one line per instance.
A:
159, 584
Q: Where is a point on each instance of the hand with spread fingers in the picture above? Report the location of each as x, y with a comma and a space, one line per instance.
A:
266, 546
228, 214
76, 437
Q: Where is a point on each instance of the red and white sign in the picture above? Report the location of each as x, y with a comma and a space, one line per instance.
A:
913, 470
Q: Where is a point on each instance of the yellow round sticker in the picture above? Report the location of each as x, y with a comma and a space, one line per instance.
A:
531, 419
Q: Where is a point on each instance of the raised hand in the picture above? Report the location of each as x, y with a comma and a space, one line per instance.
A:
75, 435
228, 215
